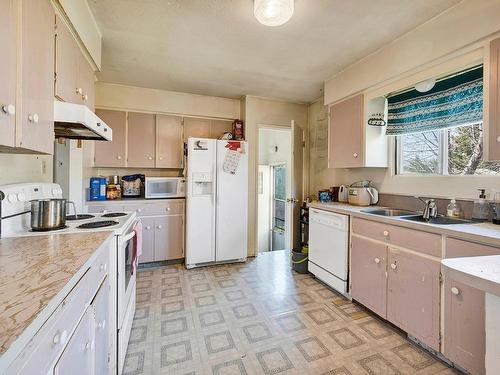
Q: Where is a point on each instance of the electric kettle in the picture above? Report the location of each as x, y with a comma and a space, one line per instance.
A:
361, 193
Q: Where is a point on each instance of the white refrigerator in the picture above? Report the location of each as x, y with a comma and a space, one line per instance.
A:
216, 201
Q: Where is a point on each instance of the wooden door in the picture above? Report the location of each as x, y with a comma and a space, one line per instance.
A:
86, 81
67, 53
141, 140
345, 132
78, 356
413, 299
464, 330
112, 154
196, 128
493, 115
37, 117
103, 345
219, 127
169, 237
8, 73
169, 144
148, 240
368, 274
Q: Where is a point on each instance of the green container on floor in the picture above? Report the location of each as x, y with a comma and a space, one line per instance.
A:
299, 261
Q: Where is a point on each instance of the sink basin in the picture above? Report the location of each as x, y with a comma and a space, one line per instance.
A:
388, 212
441, 220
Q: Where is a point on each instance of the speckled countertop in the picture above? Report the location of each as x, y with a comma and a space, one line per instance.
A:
486, 233
34, 270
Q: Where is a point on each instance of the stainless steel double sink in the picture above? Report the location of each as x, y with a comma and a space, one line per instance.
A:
414, 216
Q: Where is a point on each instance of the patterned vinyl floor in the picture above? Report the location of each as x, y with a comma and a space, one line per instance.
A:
260, 318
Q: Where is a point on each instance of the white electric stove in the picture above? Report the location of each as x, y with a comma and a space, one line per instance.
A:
16, 222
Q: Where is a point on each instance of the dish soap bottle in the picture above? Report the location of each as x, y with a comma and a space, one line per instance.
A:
453, 209
481, 209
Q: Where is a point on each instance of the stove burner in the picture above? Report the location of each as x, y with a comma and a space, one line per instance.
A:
79, 217
97, 224
48, 229
115, 214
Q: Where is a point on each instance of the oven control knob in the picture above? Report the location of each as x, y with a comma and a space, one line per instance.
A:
12, 198
21, 197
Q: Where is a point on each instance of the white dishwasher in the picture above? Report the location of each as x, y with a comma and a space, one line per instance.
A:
329, 248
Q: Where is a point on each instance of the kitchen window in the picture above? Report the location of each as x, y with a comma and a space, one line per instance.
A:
438, 128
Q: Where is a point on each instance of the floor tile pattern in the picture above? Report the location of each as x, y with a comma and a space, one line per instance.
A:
260, 317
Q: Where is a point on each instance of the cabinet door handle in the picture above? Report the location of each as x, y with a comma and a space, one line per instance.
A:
355, 155
148, 227
139, 210
85, 97
119, 157
498, 139
168, 208
33, 118
103, 267
9, 109
159, 226
150, 158
455, 291
161, 158
377, 260
386, 233
102, 324
394, 265
79, 91
60, 338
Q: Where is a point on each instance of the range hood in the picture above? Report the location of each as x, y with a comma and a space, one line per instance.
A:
77, 121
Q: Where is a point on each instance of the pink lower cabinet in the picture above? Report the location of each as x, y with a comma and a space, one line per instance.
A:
413, 295
368, 280
464, 333
169, 237
148, 240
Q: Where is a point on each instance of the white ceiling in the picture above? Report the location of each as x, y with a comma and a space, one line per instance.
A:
217, 47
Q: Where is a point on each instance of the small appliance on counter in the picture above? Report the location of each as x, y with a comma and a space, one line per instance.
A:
343, 193
325, 196
164, 187
98, 188
132, 186
361, 193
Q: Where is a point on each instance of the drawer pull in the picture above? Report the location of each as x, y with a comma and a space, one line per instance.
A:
148, 227
9, 109
386, 233
103, 267
150, 158
139, 210
89, 345
159, 227
394, 265
377, 260
355, 154
455, 291
79, 91
60, 338
33, 118
168, 208
102, 324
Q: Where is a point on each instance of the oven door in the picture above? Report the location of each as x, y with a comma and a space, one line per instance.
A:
126, 271
162, 187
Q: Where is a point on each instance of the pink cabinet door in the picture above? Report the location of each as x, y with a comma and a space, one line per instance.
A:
169, 237
493, 140
368, 278
7, 73
148, 240
112, 154
169, 145
219, 127
86, 81
464, 333
413, 300
196, 128
345, 132
141, 140
67, 53
37, 117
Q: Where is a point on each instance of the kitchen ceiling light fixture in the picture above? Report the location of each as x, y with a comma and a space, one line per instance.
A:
426, 85
273, 12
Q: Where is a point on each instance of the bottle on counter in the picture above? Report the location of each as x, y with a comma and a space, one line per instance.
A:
481, 209
453, 209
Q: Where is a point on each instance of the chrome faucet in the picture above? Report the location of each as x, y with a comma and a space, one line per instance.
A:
430, 210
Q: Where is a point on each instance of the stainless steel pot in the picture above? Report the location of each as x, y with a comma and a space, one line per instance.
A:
48, 214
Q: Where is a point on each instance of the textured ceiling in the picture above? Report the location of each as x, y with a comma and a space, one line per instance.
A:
217, 47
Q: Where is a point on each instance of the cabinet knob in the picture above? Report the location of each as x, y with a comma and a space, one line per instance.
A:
102, 324
79, 91
386, 233
60, 338
85, 97
377, 260
9, 109
394, 265
103, 267
455, 291
168, 208
161, 158
89, 345
355, 154
139, 210
148, 227
159, 226
498, 139
150, 158
33, 118
119, 157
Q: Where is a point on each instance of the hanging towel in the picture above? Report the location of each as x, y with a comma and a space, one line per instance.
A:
137, 246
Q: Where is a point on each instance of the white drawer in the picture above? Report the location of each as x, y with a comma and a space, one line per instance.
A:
44, 349
100, 267
168, 207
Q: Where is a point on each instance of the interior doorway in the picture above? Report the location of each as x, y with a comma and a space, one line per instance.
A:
274, 186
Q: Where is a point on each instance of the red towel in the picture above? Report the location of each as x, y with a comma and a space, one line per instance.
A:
137, 246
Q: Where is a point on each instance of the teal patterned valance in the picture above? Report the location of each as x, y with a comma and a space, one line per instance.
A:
453, 101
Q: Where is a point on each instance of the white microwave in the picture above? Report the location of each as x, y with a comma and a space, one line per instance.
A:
164, 187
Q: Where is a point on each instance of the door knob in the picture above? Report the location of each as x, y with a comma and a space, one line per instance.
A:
9, 109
